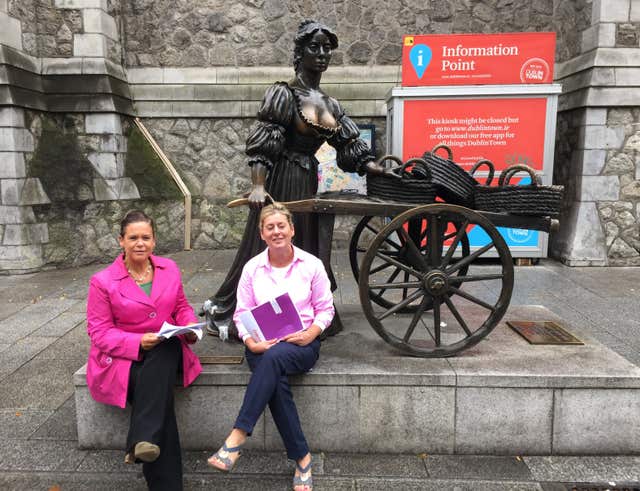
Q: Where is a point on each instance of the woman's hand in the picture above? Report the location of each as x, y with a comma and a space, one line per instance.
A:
304, 337
261, 346
190, 337
149, 340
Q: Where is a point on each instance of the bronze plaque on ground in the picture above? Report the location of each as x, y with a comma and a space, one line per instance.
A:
221, 359
543, 332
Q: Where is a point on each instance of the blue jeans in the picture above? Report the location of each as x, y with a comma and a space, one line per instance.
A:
269, 384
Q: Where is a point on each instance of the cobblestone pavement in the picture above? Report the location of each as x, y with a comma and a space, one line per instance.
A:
43, 342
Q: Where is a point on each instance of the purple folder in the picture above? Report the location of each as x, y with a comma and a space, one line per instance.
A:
272, 320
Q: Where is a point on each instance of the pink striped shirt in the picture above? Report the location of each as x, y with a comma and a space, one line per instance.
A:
305, 280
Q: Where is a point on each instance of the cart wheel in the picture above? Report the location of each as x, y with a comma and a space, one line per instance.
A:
396, 247
465, 308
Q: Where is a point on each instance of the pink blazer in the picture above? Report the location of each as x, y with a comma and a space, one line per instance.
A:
119, 313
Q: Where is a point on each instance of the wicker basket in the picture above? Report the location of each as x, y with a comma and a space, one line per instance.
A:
406, 189
489, 165
529, 199
452, 183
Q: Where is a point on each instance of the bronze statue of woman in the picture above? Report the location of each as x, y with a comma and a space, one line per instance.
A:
295, 119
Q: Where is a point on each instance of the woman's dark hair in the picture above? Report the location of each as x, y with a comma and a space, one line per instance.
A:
135, 216
306, 30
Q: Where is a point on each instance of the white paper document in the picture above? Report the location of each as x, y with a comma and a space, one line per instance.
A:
168, 330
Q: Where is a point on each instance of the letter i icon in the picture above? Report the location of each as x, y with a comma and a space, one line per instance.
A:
420, 57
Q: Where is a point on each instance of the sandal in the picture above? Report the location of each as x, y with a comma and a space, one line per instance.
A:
225, 461
299, 481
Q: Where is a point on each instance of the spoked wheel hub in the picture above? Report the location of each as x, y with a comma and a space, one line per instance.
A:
436, 283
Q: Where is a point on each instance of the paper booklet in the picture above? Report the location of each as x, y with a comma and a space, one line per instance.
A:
273, 319
168, 330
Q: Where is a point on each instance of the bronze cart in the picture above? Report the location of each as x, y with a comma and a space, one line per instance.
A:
421, 287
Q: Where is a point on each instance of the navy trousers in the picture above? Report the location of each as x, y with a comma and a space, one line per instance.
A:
153, 418
269, 384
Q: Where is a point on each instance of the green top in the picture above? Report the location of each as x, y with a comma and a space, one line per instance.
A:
146, 287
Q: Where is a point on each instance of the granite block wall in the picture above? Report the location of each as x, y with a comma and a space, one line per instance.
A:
195, 70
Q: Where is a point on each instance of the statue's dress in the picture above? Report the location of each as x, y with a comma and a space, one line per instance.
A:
293, 122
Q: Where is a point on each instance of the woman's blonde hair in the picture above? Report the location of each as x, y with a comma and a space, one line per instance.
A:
274, 209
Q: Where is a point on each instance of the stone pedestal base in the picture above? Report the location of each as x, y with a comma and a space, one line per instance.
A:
503, 396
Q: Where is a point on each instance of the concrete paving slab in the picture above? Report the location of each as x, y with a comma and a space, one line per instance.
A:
19, 353
584, 469
111, 461
253, 462
28, 455
374, 465
62, 324
8, 308
73, 346
477, 467
15, 481
60, 425
29, 319
21, 423
441, 485
48, 385
232, 482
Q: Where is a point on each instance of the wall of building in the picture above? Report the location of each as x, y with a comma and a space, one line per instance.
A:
597, 140
194, 71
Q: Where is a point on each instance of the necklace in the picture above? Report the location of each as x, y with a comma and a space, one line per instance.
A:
140, 278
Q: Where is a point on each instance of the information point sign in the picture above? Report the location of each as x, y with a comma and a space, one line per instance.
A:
472, 59
486, 96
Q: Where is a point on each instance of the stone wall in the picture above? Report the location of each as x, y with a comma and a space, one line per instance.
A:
620, 218
195, 71
74, 163
598, 135
188, 33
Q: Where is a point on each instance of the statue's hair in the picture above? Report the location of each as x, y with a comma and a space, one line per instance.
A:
306, 30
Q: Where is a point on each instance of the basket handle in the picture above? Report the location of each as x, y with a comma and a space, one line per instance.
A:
447, 148
509, 172
489, 165
384, 158
416, 160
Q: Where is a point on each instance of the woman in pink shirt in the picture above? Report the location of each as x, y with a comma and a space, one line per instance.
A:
281, 268
127, 303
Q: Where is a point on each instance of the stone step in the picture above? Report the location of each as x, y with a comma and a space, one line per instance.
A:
501, 397
192, 481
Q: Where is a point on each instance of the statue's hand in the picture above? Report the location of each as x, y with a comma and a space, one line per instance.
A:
257, 197
377, 170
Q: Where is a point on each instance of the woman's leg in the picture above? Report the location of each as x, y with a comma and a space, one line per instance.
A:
295, 359
266, 382
153, 420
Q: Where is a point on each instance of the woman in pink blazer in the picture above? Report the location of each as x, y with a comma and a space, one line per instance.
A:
127, 303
